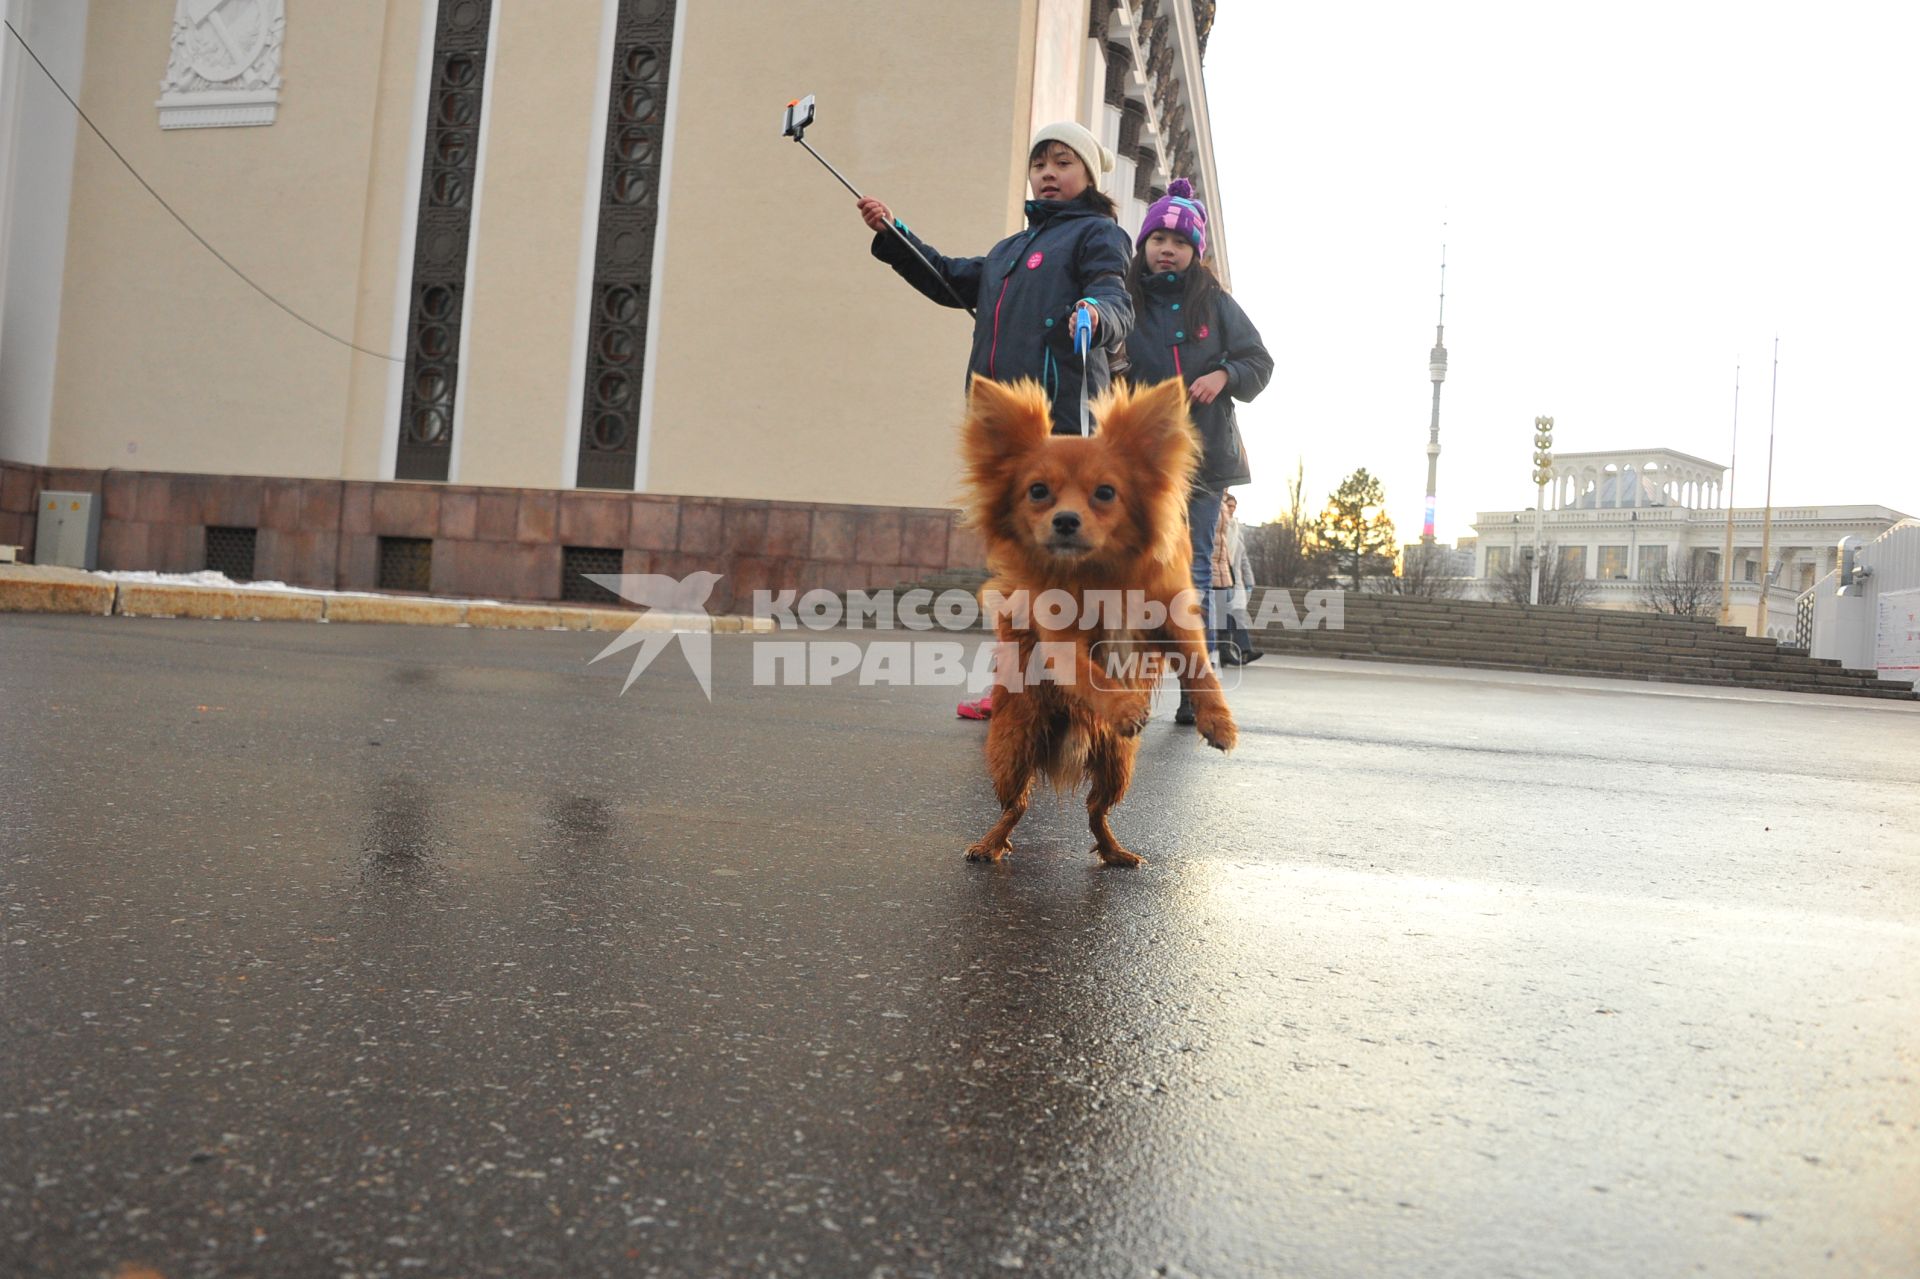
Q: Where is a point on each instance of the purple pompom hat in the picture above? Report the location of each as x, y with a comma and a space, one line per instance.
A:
1179, 212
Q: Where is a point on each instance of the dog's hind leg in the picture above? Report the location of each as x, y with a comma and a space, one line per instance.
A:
1015, 739
1110, 772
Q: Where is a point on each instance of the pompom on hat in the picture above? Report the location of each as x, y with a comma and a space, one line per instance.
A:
1081, 142
1177, 211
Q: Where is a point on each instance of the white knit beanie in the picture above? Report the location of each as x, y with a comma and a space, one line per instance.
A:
1098, 159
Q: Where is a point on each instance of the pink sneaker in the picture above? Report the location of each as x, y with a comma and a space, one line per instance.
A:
981, 709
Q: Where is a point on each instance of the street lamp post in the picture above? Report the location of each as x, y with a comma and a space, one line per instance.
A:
1542, 475
1726, 556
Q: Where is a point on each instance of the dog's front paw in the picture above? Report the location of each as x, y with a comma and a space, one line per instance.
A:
988, 850
1115, 855
1215, 724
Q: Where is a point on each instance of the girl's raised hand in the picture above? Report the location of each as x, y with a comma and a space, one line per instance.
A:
1207, 388
875, 214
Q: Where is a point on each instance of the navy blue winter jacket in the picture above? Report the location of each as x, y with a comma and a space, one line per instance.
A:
1023, 294
1167, 342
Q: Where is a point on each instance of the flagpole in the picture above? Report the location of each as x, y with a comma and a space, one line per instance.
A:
1766, 524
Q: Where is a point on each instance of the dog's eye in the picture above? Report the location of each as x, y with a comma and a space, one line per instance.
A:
1104, 493
1039, 492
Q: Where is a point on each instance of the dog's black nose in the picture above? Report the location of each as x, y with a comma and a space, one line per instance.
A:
1066, 523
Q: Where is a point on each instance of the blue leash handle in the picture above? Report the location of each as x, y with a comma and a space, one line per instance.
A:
1083, 346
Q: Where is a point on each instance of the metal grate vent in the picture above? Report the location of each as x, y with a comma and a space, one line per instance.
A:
230, 551
576, 562
406, 564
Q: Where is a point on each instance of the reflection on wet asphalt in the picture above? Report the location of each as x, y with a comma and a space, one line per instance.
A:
375, 951
399, 838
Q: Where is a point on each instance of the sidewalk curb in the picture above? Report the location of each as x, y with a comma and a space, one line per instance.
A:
148, 599
29, 588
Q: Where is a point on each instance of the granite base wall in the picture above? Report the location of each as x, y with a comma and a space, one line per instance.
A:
503, 543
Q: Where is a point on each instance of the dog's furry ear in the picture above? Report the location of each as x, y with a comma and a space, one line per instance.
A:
1150, 427
1004, 424
1003, 419
1151, 423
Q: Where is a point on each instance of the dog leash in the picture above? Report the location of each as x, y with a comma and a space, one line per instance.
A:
1083, 344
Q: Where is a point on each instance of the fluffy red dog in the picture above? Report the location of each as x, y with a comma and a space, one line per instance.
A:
1098, 519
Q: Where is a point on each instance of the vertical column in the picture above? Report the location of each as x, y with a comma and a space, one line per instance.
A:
623, 251
439, 290
36, 181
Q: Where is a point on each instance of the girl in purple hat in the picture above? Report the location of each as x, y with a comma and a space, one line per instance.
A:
1187, 326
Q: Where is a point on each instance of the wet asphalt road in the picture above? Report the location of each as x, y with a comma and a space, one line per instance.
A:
384, 951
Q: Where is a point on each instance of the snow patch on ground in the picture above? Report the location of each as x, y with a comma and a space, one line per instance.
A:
214, 578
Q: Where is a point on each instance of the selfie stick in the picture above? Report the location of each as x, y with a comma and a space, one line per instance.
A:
793, 124
1083, 345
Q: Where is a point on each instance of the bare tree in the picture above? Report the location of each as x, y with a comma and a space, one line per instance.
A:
1662, 592
1425, 572
1559, 583
1287, 551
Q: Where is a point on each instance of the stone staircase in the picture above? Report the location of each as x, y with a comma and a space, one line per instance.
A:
969, 580
1544, 639
1566, 641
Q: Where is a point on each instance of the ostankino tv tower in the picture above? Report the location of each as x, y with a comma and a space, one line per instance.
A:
1437, 370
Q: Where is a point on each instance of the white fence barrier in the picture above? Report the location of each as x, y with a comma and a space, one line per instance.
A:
1868, 617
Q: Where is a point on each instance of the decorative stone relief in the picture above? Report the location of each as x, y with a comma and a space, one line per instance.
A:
224, 68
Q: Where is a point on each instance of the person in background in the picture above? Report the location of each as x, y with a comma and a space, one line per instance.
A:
1234, 638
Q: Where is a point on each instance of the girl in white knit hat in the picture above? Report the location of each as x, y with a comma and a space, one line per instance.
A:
1025, 289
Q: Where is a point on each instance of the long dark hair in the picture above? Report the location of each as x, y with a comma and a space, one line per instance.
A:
1203, 286
1093, 194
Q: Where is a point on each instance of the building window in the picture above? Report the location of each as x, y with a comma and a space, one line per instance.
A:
1573, 562
1146, 162
1653, 563
623, 250
1498, 557
1613, 562
1806, 577
440, 243
1119, 65
1133, 120
1706, 566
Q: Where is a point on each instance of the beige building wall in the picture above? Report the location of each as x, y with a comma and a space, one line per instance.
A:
785, 361
788, 362
166, 360
518, 367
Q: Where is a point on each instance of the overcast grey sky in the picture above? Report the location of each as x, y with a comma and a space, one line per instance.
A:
1635, 196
